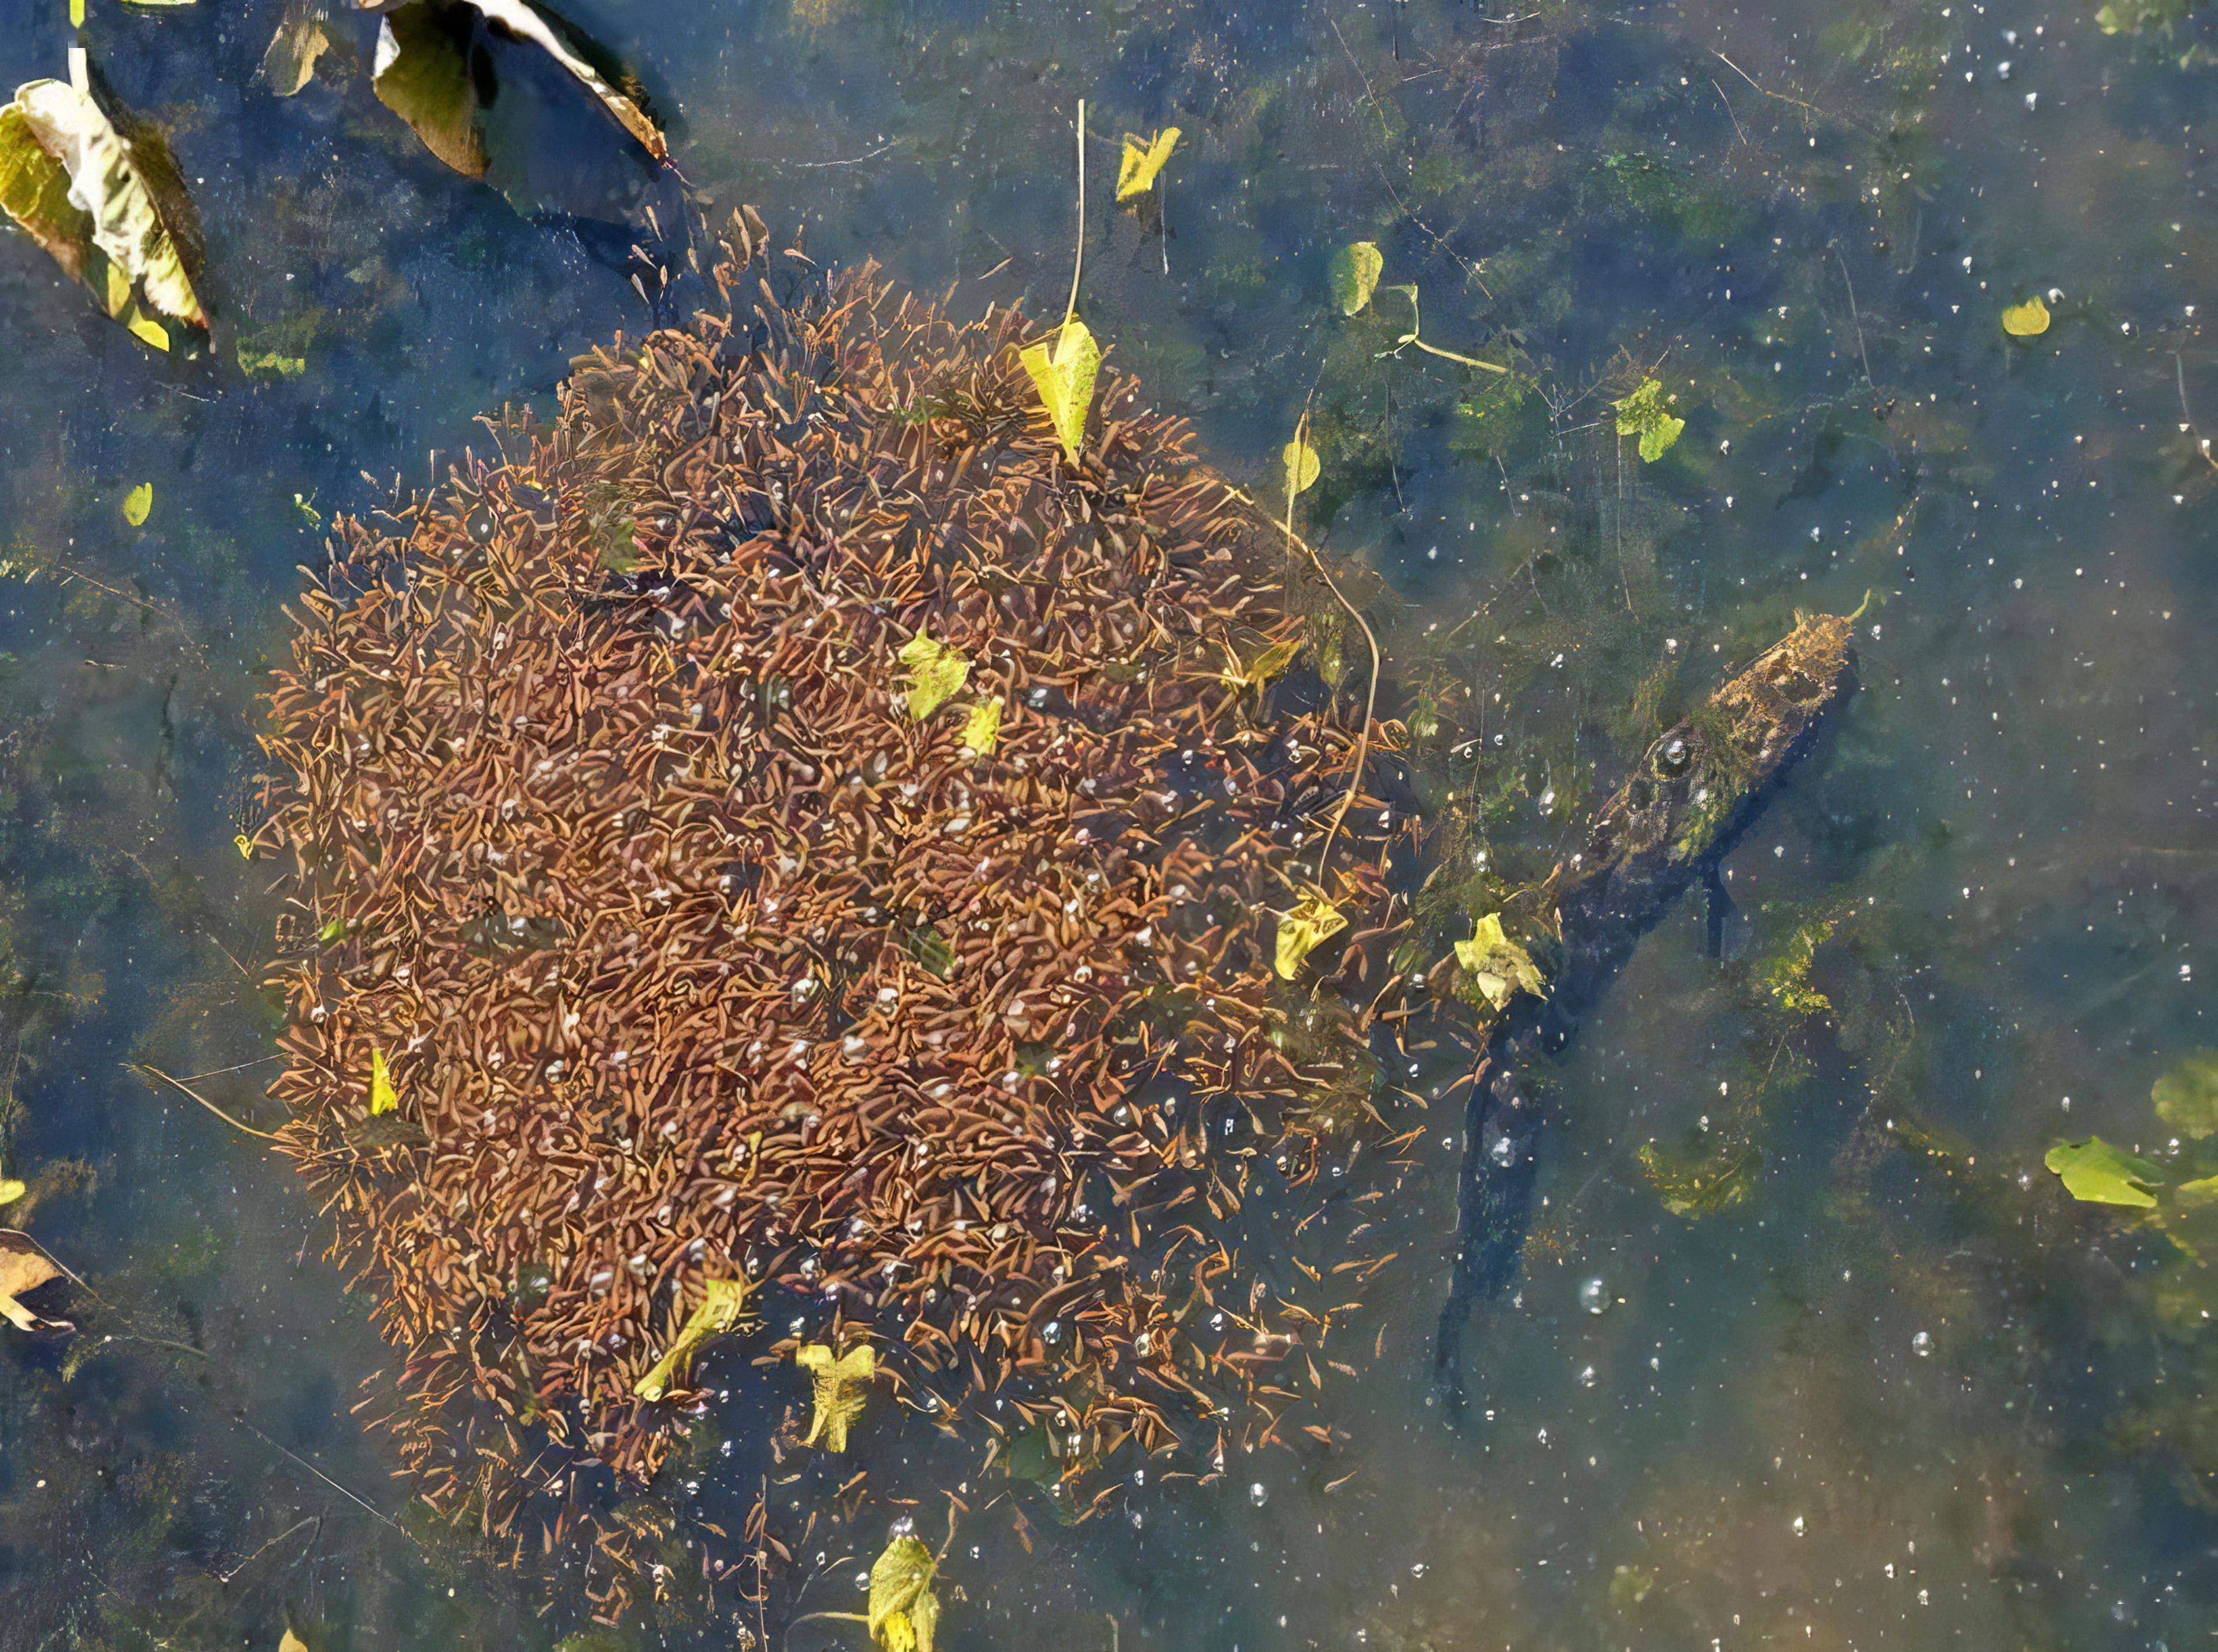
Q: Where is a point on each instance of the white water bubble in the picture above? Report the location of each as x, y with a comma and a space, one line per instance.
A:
1593, 1295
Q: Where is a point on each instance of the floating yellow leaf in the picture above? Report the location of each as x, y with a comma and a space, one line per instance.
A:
719, 1312
77, 14
292, 1643
1314, 920
937, 673
138, 504
12, 1190
80, 190
245, 845
1355, 271
1266, 668
1501, 967
1064, 379
23, 1267
842, 1384
1301, 461
2026, 320
983, 730
1143, 159
904, 1613
383, 1098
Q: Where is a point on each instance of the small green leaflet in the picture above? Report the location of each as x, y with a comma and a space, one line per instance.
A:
1264, 668
1501, 967
2095, 1172
1064, 378
139, 505
2186, 1097
1643, 414
936, 674
982, 731
383, 1098
1301, 461
1355, 276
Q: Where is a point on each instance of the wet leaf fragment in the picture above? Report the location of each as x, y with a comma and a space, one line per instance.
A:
79, 189
290, 61
904, 1612
139, 505
2026, 320
1498, 966
1144, 159
719, 1312
2186, 1097
1265, 668
982, 731
10, 1190
1063, 375
383, 1098
431, 72
1643, 413
23, 1267
2094, 1172
936, 674
1354, 276
1313, 921
1300, 460
841, 1388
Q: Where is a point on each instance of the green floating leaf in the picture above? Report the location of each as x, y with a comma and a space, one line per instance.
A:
981, 732
1703, 1184
2095, 1172
270, 361
719, 1312
1498, 966
2194, 1196
841, 1385
10, 1190
2186, 1097
936, 674
76, 188
139, 505
2026, 320
904, 1612
1144, 159
1313, 921
1643, 414
1064, 378
1354, 276
1300, 460
383, 1098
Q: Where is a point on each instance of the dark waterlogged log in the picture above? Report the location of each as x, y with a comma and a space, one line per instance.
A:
1695, 791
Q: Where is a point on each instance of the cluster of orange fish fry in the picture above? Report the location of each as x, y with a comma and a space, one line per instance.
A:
785, 823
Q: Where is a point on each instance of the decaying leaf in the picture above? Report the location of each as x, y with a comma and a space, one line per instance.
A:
1144, 159
383, 1098
2095, 1172
1300, 460
1313, 921
1498, 966
1064, 378
936, 674
842, 1386
2026, 320
1701, 1185
1356, 271
982, 731
719, 1312
23, 1267
904, 1612
2186, 1097
292, 1643
139, 505
430, 71
1643, 414
78, 189
301, 39
11, 1189
1264, 668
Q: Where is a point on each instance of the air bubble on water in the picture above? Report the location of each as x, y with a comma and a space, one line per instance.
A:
1922, 1344
1586, 1378
1593, 1295
1503, 1152
1799, 1529
1257, 1494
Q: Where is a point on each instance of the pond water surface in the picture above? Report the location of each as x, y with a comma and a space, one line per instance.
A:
1809, 1348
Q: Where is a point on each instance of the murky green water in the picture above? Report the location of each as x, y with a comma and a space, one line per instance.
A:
1898, 1391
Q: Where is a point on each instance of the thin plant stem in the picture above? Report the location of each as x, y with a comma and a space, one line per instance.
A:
1078, 260
179, 1084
